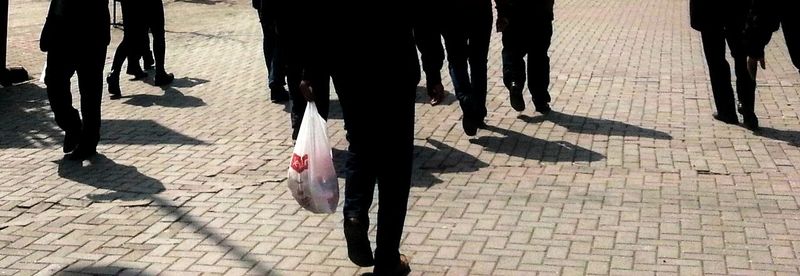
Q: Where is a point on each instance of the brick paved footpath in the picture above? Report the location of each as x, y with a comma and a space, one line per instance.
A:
630, 175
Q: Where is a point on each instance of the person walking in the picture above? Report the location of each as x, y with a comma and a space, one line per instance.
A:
375, 76
467, 35
75, 37
721, 23
527, 28
276, 69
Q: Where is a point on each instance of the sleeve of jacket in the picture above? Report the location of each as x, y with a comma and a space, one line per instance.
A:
52, 25
761, 23
503, 7
317, 40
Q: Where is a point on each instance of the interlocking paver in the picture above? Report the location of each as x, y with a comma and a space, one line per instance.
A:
629, 176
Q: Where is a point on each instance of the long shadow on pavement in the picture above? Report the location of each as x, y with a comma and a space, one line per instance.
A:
127, 183
523, 146
440, 158
124, 182
27, 122
580, 124
25, 118
790, 136
101, 270
172, 98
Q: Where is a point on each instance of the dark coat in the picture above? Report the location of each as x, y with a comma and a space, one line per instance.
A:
76, 24
708, 15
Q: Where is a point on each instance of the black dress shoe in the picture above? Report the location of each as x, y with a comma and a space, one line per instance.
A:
726, 119
751, 123
543, 108
401, 269
163, 78
82, 153
71, 139
517, 102
358, 248
470, 126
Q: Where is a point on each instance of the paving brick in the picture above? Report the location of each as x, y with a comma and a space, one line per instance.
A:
628, 176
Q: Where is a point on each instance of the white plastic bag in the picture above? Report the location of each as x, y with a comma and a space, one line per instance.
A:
312, 178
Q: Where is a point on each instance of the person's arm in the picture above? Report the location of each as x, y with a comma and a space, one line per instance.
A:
317, 39
761, 23
54, 14
502, 6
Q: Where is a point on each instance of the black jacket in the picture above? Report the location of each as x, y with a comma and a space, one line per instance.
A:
706, 15
765, 18
337, 37
76, 25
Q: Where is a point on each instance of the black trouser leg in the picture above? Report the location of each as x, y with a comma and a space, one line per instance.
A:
428, 38
156, 25
394, 182
514, 50
539, 62
478, 49
457, 56
720, 72
90, 82
60, 68
745, 85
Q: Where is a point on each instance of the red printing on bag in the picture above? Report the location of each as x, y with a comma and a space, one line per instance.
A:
299, 164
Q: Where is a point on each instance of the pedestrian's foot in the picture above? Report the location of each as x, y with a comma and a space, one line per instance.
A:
543, 108
470, 126
279, 95
481, 124
358, 247
436, 93
163, 78
148, 62
401, 269
82, 153
137, 74
71, 139
113, 86
751, 123
517, 102
727, 119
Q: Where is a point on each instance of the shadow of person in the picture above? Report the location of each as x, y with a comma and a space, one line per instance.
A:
124, 182
523, 146
184, 82
440, 158
26, 120
100, 270
204, 2
580, 124
423, 98
171, 98
789, 136
187, 82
